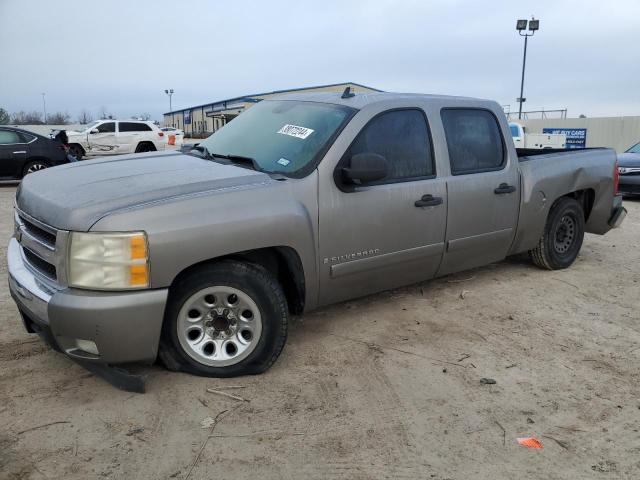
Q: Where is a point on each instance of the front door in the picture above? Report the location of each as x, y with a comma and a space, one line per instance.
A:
483, 189
390, 232
103, 142
13, 152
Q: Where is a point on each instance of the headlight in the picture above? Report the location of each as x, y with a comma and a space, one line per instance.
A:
108, 261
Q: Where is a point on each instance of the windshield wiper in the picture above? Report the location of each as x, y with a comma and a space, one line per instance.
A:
202, 149
239, 159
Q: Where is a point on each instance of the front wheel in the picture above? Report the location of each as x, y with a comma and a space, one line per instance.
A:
223, 320
562, 238
77, 151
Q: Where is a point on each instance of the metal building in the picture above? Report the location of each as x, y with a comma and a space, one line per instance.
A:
203, 120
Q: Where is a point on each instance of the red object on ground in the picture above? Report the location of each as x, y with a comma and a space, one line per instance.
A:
529, 442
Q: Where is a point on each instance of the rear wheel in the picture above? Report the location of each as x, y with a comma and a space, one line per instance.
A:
145, 147
563, 235
224, 320
34, 166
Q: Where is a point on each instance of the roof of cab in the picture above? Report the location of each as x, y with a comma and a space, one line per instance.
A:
359, 100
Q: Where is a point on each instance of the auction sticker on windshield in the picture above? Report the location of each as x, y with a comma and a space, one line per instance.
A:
296, 131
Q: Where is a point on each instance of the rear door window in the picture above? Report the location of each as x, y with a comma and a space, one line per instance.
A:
8, 137
474, 140
134, 127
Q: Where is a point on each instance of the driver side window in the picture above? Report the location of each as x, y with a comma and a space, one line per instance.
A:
402, 137
108, 127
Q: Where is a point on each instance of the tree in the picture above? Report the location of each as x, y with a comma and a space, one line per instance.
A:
58, 118
102, 113
85, 117
4, 117
27, 118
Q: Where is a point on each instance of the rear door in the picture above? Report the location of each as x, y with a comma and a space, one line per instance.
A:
483, 190
373, 237
104, 141
128, 136
13, 153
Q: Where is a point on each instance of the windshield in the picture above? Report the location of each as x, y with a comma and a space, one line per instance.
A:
91, 125
280, 136
634, 149
514, 130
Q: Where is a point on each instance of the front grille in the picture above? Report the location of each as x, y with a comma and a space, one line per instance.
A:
38, 242
39, 264
41, 234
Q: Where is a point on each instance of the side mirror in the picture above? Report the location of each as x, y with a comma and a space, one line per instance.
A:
365, 168
94, 130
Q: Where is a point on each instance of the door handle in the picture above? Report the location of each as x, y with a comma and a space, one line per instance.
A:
428, 201
504, 188
20, 151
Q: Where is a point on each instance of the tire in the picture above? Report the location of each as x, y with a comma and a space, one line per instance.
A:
77, 151
205, 333
563, 235
145, 147
34, 166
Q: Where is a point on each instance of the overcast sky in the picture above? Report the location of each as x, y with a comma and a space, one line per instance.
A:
122, 54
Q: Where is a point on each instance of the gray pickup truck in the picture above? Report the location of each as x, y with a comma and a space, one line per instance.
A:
199, 258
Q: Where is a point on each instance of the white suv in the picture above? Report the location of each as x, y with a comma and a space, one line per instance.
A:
112, 137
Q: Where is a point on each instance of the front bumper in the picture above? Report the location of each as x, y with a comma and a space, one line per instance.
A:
124, 326
629, 185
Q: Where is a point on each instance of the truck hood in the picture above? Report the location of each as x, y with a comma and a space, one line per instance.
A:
76, 195
629, 160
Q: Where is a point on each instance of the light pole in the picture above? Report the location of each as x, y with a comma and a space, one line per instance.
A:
170, 93
521, 26
44, 109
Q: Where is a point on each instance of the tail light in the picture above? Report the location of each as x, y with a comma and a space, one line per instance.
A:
161, 134
616, 177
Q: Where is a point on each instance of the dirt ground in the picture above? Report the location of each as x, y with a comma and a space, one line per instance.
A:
383, 387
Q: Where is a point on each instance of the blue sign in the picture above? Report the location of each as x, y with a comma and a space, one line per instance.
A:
576, 137
186, 116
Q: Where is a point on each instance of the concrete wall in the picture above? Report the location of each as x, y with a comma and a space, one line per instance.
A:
619, 133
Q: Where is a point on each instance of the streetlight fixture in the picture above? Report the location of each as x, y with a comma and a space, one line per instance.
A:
169, 92
44, 109
521, 26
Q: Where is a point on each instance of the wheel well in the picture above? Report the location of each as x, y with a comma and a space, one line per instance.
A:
146, 143
586, 198
283, 263
38, 159
78, 145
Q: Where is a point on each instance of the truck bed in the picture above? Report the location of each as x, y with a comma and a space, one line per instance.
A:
525, 154
546, 175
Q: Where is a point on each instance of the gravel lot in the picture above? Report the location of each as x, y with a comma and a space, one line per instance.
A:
383, 387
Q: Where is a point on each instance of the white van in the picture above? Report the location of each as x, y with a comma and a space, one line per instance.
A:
113, 137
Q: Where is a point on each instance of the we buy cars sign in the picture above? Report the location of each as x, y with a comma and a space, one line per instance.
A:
576, 137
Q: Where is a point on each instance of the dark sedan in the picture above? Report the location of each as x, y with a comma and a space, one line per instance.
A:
23, 152
629, 170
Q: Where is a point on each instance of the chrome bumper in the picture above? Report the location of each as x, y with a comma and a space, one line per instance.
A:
124, 326
26, 289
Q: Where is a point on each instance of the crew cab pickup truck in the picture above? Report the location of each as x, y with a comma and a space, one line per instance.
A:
303, 201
